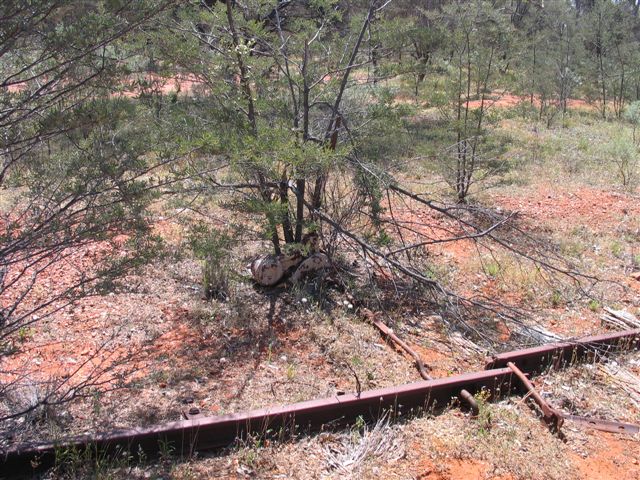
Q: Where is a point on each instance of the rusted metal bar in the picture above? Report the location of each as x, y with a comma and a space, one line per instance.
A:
391, 335
559, 355
551, 416
604, 425
188, 436
470, 401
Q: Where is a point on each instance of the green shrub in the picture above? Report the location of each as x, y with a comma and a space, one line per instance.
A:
622, 154
211, 246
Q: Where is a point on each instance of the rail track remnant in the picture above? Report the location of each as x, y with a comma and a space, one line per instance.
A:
197, 434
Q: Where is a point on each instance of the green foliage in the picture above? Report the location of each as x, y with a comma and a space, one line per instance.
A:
291, 371
625, 157
492, 269
24, 334
383, 239
632, 115
485, 414
556, 299
84, 164
616, 249
478, 45
212, 247
386, 137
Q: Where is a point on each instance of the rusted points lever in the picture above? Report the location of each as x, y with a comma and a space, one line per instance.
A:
551, 416
555, 418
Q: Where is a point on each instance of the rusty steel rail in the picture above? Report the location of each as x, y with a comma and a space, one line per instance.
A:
559, 355
188, 436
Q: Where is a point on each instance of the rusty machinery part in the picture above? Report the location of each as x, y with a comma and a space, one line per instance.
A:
559, 355
192, 413
393, 337
470, 401
189, 436
551, 416
555, 418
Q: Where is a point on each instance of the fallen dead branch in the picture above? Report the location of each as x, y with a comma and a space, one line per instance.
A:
624, 379
460, 306
620, 319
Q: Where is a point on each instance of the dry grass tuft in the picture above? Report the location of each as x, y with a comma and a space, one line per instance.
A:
363, 447
512, 442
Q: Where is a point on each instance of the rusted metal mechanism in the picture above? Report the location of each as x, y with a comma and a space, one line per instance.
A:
559, 355
555, 418
551, 416
393, 337
188, 436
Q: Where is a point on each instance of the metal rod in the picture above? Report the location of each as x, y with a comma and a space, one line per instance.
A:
390, 334
604, 425
470, 401
551, 416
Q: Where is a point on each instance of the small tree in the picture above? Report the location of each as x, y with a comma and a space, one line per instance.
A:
478, 47
277, 90
625, 154
607, 33
632, 115
74, 161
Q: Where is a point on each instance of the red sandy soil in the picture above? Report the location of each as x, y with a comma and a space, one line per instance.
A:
184, 84
76, 349
579, 206
610, 457
541, 209
509, 100
541, 205
82, 328
456, 469
431, 225
562, 209
616, 458
504, 100
609, 461
613, 460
